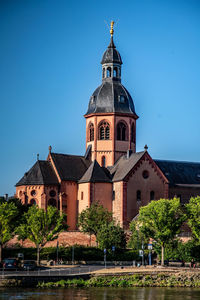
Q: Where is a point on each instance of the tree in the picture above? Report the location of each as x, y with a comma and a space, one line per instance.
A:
193, 217
8, 212
111, 235
161, 220
41, 226
92, 218
21, 209
137, 237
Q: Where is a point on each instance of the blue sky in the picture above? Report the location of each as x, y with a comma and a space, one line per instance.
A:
50, 53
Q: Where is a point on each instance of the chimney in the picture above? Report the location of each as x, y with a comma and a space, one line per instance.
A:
128, 154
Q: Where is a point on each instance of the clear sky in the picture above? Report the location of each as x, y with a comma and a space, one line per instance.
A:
50, 53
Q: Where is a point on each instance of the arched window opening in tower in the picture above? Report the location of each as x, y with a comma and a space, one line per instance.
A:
108, 72
103, 73
103, 161
115, 72
138, 195
104, 131
152, 195
121, 131
52, 202
91, 132
133, 133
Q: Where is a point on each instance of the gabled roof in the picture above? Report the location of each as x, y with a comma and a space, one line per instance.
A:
41, 173
180, 173
70, 167
124, 165
95, 173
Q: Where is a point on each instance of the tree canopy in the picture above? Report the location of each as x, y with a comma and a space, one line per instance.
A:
193, 217
137, 236
92, 218
110, 235
41, 226
161, 220
8, 212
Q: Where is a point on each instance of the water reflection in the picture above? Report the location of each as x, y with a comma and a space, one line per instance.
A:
102, 294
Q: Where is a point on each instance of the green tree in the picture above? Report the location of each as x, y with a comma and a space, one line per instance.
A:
193, 217
111, 234
41, 226
8, 211
137, 237
92, 218
161, 220
21, 209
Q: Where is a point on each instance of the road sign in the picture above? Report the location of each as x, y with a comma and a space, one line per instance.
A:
104, 251
113, 248
140, 252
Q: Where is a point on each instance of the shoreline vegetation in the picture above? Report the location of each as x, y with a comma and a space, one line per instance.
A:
136, 280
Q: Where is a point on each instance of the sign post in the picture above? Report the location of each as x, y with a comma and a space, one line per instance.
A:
104, 257
150, 246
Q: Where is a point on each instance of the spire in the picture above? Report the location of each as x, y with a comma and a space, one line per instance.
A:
111, 45
111, 28
111, 55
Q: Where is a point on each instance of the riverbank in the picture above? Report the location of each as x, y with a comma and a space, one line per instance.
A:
160, 279
115, 277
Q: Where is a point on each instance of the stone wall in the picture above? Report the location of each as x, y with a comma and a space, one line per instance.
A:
65, 239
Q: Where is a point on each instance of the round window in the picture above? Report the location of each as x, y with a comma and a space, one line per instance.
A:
33, 192
145, 174
52, 193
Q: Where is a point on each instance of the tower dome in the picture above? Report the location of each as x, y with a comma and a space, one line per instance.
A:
111, 55
111, 96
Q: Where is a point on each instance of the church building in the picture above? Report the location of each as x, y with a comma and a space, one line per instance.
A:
111, 172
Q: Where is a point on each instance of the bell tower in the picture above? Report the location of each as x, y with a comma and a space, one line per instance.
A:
111, 117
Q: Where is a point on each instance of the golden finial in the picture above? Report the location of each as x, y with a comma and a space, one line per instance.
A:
111, 28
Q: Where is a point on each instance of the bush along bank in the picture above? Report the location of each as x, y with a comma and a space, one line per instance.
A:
136, 280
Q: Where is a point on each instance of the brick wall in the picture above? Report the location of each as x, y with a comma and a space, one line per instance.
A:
67, 238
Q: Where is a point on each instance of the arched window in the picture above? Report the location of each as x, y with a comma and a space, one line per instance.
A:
138, 195
133, 133
121, 131
103, 73
152, 195
104, 131
52, 202
91, 132
108, 72
33, 202
115, 72
103, 161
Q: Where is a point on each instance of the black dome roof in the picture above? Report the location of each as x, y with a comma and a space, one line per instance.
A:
111, 55
106, 99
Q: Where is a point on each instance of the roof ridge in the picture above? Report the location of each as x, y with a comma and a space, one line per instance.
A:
177, 161
82, 156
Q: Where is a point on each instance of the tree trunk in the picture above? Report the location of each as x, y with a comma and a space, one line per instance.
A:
38, 255
1, 252
162, 256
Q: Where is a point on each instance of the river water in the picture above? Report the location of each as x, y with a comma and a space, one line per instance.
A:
101, 294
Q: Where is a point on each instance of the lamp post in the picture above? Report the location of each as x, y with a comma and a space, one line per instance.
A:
72, 255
